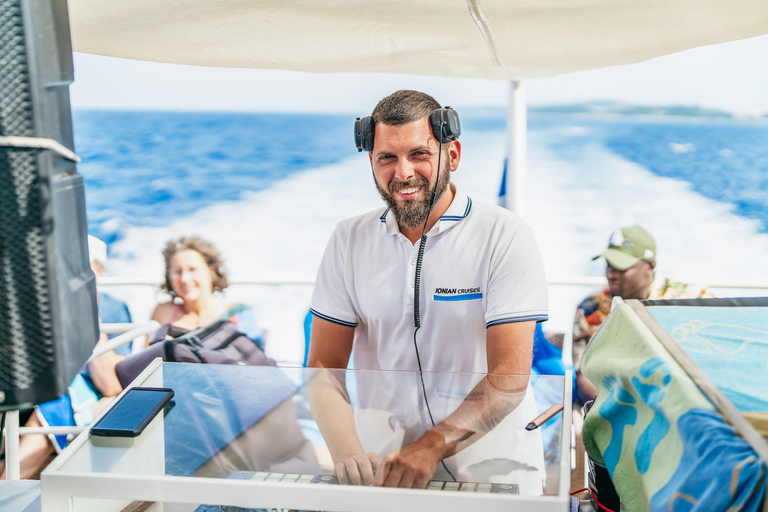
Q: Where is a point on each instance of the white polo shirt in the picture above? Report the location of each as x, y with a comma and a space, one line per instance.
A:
481, 267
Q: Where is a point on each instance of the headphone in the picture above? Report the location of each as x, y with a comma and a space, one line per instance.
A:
444, 122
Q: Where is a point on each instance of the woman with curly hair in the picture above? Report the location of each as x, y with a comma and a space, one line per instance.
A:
194, 271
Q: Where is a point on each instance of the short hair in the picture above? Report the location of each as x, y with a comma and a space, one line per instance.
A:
205, 249
403, 107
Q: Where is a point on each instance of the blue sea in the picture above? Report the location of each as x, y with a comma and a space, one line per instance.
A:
269, 188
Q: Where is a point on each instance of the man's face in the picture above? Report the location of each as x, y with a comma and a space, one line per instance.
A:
404, 163
633, 283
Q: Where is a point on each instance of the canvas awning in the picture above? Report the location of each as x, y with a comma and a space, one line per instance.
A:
492, 39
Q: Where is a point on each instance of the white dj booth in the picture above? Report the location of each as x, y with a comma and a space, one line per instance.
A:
242, 438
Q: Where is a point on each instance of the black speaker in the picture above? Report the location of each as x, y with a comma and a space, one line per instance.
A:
48, 318
444, 122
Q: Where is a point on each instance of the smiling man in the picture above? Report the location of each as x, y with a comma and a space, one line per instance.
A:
473, 269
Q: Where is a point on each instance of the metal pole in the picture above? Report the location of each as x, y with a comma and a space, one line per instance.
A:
517, 126
12, 460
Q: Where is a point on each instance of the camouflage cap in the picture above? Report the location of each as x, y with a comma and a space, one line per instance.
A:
627, 246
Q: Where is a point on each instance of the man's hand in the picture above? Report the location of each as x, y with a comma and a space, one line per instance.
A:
414, 465
358, 469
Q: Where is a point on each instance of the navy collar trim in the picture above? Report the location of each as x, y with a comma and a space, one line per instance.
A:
459, 217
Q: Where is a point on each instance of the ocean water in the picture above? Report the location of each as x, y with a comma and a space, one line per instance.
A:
269, 188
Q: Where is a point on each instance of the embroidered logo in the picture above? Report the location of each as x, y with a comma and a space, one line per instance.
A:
455, 294
617, 239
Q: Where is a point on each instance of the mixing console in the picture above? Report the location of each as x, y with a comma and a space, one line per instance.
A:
264, 476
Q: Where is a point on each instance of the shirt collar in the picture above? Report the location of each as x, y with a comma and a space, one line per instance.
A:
457, 211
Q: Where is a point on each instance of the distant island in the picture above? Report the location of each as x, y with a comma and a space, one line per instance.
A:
619, 108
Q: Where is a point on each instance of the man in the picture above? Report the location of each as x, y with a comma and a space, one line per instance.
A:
111, 311
482, 289
631, 273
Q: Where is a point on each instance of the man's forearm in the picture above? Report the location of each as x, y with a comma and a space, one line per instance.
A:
491, 400
333, 413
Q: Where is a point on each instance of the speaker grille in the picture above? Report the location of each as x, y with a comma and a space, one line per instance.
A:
15, 97
26, 338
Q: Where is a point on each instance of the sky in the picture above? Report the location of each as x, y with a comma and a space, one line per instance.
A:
730, 76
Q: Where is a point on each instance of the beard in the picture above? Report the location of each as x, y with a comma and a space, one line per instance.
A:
413, 213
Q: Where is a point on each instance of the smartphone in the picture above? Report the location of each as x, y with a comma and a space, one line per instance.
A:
132, 412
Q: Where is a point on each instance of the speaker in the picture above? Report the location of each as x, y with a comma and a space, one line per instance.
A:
444, 122
48, 317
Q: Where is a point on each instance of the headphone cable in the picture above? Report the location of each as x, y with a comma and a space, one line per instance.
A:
416, 290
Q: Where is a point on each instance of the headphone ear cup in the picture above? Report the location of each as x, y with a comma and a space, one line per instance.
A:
445, 124
364, 134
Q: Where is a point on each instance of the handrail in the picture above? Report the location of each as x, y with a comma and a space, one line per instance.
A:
116, 328
139, 330
57, 431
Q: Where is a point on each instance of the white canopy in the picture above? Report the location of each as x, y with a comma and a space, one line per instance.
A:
493, 39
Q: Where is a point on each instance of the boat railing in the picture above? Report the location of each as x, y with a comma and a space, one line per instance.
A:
721, 288
596, 281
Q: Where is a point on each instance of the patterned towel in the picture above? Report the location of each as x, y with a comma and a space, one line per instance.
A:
663, 442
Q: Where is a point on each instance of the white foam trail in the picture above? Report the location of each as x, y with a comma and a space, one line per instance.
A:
280, 231
572, 206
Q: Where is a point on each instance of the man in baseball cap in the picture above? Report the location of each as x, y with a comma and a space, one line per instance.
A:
631, 260
631, 273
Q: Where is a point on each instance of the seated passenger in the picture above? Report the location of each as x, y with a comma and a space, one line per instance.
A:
631, 273
73, 408
194, 278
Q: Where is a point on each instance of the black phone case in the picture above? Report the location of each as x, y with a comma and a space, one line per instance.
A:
96, 430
